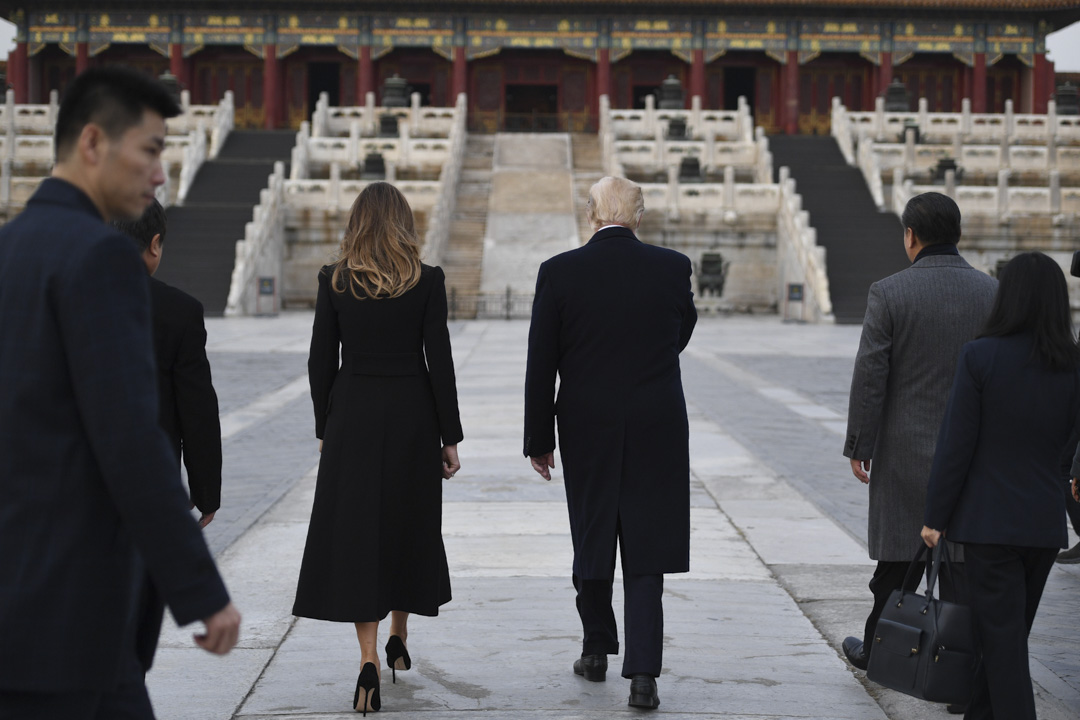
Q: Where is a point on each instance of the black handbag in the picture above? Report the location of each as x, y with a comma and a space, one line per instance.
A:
925, 646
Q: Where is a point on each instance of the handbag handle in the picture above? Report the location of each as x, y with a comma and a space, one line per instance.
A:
939, 557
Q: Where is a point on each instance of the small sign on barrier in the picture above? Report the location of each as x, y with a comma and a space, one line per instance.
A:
266, 296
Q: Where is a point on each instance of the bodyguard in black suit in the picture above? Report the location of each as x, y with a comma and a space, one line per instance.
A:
189, 406
92, 495
995, 484
188, 403
610, 319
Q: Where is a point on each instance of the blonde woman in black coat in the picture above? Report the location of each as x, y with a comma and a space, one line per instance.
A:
387, 416
995, 484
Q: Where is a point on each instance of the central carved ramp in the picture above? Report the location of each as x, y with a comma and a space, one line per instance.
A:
530, 211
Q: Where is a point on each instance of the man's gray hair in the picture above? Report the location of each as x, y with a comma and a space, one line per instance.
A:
615, 201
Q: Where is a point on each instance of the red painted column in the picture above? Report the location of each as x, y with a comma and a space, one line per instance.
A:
18, 72
1040, 87
271, 87
82, 57
603, 75
790, 75
461, 75
885, 75
978, 84
177, 66
365, 75
1051, 78
697, 76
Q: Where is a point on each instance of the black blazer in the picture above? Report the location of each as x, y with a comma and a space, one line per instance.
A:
610, 319
996, 477
189, 407
91, 491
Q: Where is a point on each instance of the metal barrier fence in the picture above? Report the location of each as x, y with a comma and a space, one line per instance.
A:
506, 305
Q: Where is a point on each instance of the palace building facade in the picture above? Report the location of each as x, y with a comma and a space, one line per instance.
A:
535, 64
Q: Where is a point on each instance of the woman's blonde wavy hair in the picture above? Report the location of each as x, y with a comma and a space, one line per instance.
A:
380, 255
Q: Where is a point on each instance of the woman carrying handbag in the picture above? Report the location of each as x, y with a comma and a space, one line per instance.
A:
383, 387
995, 485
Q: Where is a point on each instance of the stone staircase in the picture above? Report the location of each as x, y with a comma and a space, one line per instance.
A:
588, 168
200, 243
463, 258
862, 245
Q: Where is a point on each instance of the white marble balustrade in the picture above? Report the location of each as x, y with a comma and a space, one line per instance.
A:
335, 194
215, 120
1000, 202
983, 159
970, 127
731, 125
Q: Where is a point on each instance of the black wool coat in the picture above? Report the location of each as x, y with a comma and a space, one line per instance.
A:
610, 319
383, 411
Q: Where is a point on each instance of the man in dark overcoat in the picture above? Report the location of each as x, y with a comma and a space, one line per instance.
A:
92, 499
610, 319
188, 404
916, 322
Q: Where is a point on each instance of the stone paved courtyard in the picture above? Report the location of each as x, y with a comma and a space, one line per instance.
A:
778, 561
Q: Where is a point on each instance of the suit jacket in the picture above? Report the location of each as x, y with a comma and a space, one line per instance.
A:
92, 498
189, 407
996, 477
610, 319
916, 322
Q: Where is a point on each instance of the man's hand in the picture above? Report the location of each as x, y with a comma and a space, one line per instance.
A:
1076, 491
861, 469
450, 462
930, 536
206, 519
543, 464
222, 631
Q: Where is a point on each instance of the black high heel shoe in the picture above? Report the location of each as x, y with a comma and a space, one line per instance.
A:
369, 681
397, 657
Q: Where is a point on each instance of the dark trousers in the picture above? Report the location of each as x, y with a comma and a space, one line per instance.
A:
126, 702
889, 576
643, 620
1005, 585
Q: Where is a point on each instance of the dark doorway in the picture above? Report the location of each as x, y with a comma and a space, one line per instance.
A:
424, 89
532, 107
643, 91
739, 81
323, 77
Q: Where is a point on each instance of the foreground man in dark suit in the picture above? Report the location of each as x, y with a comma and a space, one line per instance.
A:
92, 494
916, 323
189, 407
610, 318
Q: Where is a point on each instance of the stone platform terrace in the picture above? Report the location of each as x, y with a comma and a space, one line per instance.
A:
779, 566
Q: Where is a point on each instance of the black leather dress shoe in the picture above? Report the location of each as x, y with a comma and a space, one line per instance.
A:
956, 709
643, 692
855, 652
593, 667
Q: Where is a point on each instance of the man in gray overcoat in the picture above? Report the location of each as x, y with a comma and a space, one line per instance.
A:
916, 322
610, 319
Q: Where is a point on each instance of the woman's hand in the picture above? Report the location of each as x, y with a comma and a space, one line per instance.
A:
930, 536
450, 462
